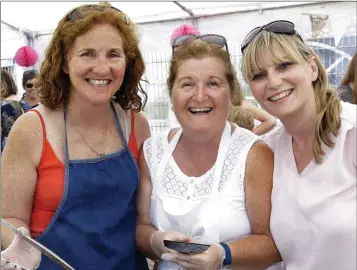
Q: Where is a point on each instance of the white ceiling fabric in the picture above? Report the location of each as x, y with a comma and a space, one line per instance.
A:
44, 16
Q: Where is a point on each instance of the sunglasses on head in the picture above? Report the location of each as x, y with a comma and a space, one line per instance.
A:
29, 85
80, 12
278, 27
218, 40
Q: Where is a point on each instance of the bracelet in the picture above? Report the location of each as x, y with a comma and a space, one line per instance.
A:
228, 256
152, 245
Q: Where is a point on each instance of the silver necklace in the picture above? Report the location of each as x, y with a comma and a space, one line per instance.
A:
99, 155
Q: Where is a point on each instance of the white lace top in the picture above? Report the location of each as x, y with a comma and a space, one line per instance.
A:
234, 223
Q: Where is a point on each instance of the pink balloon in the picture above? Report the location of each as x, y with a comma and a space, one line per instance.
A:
183, 29
26, 56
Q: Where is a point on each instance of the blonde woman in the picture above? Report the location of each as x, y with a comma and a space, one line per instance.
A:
313, 219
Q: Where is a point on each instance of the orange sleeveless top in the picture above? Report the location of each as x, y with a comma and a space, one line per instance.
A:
50, 181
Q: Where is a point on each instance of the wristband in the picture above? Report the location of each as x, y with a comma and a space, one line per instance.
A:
228, 257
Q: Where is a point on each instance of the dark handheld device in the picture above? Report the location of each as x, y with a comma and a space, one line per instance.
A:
186, 248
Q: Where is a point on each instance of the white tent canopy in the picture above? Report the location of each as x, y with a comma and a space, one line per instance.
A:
41, 17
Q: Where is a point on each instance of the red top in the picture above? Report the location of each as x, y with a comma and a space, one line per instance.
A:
50, 181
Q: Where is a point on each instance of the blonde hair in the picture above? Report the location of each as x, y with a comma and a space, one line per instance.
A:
241, 117
351, 77
281, 48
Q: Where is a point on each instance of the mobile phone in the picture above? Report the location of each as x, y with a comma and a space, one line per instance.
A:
185, 247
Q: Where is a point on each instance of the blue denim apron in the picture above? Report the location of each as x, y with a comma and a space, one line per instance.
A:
94, 225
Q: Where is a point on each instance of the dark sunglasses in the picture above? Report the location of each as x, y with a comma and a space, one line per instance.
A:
29, 85
80, 12
218, 40
278, 27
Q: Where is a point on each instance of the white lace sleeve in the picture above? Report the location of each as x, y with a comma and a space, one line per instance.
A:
153, 151
148, 153
234, 164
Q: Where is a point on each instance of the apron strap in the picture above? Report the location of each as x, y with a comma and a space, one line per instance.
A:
223, 147
66, 152
222, 150
122, 136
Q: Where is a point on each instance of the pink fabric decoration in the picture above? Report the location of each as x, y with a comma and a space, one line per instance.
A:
183, 29
26, 56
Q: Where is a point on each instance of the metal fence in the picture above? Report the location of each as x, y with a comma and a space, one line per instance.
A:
335, 59
8, 65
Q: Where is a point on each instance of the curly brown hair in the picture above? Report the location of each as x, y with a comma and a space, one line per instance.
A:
199, 50
56, 83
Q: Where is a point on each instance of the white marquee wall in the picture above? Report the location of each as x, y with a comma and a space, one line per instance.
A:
155, 36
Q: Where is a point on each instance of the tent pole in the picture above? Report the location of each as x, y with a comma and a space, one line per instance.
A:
189, 11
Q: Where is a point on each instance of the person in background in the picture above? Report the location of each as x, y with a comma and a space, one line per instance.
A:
184, 34
11, 107
200, 182
241, 117
313, 218
31, 82
267, 122
68, 172
348, 87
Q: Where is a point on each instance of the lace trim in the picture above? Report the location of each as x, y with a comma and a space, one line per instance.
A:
172, 183
232, 158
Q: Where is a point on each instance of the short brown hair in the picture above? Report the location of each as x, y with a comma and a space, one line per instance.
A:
241, 117
56, 83
8, 85
199, 50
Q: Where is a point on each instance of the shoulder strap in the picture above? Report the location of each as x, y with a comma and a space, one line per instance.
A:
42, 123
132, 137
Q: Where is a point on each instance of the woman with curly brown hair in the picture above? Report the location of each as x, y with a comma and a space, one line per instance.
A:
69, 173
313, 218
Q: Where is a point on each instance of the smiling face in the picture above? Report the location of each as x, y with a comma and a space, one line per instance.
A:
284, 88
32, 88
96, 64
201, 94
281, 71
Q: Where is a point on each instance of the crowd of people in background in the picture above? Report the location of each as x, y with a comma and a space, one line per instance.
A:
82, 174
11, 106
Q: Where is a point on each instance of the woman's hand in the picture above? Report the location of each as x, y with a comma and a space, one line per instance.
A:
157, 241
211, 259
268, 122
20, 254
